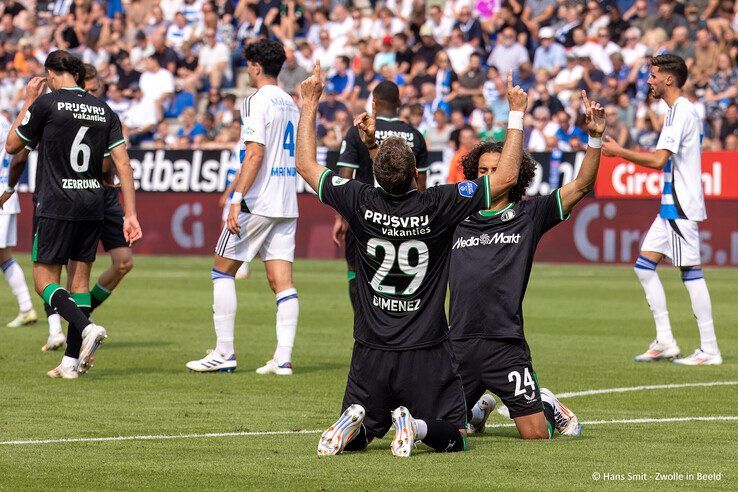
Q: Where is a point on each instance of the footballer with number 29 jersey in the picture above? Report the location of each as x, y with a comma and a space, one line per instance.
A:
74, 130
404, 243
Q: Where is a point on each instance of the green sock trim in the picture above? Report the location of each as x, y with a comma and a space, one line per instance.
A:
351, 275
82, 299
99, 292
550, 430
463, 440
49, 291
34, 249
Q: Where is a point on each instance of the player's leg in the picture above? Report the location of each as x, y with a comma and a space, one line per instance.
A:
478, 405
243, 271
17, 282
121, 263
426, 381
278, 252
92, 335
365, 411
655, 246
686, 240
56, 334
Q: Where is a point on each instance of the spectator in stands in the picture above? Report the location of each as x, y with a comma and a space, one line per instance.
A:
705, 55
438, 26
542, 135
570, 136
179, 32
509, 53
550, 54
214, 67
141, 118
569, 18
141, 50
165, 55
470, 85
190, 132
327, 52
431, 102
428, 48
543, 98
681, 45
467, 141
616, 128
447, 82
342, 78
9, 32
538, 13
116, 100
633, 51
721, 91
667, 19
694, 21
292, 73
490, 131
157, 84
729, 126
639, 16
470, 27
568, 79
438, 134
329, 106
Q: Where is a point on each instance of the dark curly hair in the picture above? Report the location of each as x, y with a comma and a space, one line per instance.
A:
267, 53
470, 165
62, 61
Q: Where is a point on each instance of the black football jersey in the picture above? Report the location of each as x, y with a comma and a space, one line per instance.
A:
403, 248
355, 155
74, 130
491, 259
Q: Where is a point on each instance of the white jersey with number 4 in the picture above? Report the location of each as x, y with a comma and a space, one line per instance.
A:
269, 117
682, 196
12, 206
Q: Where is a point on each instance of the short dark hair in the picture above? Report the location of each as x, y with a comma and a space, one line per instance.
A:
345, 59
63, 61
90, 71
470, 165
394, 165
387, 92
673, 65
253, 8
267, 53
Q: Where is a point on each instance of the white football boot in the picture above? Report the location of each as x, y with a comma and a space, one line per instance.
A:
700, 358
271, 367
403, 441
487, 403
213, 362
63, 372
23, 319
659, 351
92, 336
243, 271
55, 341
335, 438
566, 422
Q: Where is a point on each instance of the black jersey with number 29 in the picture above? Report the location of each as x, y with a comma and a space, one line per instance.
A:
404, 244
74, 130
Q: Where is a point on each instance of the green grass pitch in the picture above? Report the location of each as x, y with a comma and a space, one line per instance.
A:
583, 323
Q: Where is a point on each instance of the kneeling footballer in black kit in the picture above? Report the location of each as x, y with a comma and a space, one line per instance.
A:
403, 372
495, 248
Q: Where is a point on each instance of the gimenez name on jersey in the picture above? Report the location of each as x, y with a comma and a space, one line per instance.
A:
395, 226
486, 240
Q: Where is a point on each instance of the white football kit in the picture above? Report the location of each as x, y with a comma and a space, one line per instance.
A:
11, 208
268, 216
675, 231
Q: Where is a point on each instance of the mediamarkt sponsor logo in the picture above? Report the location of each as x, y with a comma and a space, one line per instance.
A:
486, 239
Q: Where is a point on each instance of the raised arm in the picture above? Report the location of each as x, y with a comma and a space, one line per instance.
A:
652, 160
508, 168
305, 157
131, 228
34, 89
584, 182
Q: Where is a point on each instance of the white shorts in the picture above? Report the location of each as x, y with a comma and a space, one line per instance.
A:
8, 230
272, 238
678, 239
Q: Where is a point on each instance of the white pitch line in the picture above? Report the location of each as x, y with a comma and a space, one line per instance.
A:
289, 433
643, 388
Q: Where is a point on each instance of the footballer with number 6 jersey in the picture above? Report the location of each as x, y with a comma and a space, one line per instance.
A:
492, 257
74, 130
403, 372
675, 230
263, 214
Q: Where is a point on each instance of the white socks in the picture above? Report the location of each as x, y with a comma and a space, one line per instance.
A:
287, 313
17, 282
55, 325
224, 311
645, 270
694, 281
69, 362
421, 429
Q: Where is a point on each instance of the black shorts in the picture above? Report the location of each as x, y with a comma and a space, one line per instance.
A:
111, 234
503, 367
426, 381
351, 249
56, 241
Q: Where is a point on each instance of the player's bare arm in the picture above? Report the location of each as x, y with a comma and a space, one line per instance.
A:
305, 157
244, 179
229, 189
508, 169
579, 187
652, 160
34, 89
131, 228
17, 166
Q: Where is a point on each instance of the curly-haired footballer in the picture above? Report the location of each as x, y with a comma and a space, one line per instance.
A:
495, 248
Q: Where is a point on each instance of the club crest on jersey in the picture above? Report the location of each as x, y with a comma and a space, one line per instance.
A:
467, 188
338, 181
507, 215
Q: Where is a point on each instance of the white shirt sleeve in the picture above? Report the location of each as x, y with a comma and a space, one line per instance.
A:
675, 127
253, 119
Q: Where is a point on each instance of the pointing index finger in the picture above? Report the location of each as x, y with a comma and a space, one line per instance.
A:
509, 80
316, 69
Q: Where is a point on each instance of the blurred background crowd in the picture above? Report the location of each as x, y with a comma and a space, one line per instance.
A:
174, 71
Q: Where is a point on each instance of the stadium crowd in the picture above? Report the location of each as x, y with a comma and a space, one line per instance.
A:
174, 69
